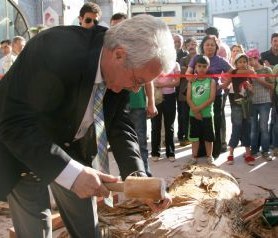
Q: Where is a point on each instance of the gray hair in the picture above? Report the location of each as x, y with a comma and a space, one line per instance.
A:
17, 38
145, 38
179, 36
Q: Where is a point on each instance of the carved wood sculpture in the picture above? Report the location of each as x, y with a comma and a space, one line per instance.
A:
207, 204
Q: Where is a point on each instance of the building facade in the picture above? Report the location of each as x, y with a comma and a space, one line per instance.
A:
253, 20
187, 18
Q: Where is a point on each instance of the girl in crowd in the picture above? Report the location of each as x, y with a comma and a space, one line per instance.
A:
261, 105
167, 109
240, 105
235, 50
275, 113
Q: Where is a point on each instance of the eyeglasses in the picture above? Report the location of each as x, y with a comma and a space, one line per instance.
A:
90, 20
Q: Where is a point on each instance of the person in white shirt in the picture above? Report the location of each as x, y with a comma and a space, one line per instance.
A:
6, 48
18, 44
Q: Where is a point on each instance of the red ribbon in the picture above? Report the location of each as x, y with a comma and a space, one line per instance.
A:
222, 75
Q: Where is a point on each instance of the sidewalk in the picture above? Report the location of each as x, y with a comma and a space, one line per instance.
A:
264, 173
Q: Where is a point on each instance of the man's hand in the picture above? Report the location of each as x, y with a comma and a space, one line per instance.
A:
158, 206
90, 183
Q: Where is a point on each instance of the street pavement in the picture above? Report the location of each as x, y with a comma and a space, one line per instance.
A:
263, 173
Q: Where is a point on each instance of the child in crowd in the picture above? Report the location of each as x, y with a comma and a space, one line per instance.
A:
240, 101
166, 109
235, 50
261, 105
275, 113
200, 98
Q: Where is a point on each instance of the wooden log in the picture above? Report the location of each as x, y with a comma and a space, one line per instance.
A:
206, 203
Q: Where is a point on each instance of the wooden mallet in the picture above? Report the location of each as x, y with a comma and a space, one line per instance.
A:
140, 187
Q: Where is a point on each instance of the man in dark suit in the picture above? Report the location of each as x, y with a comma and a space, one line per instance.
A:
44, 100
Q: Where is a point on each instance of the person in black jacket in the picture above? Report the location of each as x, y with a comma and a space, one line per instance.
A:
89, 15
270, 57
44, 99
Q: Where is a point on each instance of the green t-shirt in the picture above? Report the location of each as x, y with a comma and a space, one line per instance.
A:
200, 93
137, 100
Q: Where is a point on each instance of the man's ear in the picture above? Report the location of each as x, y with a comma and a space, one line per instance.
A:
119, 54
80, 20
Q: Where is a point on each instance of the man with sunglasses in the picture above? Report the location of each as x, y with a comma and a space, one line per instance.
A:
6, 49
45, 98
89, 15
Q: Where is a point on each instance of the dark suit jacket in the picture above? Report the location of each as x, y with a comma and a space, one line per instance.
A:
43, 99
270, 57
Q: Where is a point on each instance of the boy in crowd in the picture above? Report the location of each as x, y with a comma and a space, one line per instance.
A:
200, 98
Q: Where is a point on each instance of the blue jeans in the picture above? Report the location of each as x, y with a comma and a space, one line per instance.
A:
259, 124
139, 118
240, 128
274, 127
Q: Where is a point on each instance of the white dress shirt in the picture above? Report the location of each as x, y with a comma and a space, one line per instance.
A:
8, 61
67, 177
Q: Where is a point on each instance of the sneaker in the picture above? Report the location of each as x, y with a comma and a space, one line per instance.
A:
210, 160
255, 153
156, 158
267, 156
185, 143
192, 161
230, 160
275, 152
249, 160
172, 158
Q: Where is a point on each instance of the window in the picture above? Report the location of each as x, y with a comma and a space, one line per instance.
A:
169, 14
189, 15
155, 14
12, 22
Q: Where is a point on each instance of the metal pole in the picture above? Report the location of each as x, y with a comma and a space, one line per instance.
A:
128, 8
7, 21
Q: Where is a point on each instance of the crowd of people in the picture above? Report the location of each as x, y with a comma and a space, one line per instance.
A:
49, 124
251, 93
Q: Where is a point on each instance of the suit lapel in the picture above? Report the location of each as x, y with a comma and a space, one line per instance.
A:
88, 76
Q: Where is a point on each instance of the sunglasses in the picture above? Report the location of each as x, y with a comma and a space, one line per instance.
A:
89, 20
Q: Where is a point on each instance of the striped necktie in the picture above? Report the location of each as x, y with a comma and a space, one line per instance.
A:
101, 160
